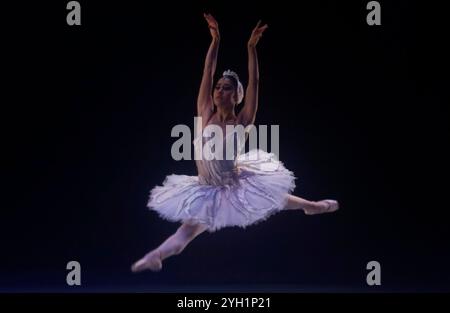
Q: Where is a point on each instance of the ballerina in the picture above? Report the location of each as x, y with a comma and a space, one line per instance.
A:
238, 192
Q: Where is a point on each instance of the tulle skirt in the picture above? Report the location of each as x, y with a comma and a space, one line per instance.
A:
261, 189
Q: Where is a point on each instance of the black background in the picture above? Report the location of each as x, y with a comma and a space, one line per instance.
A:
88, 110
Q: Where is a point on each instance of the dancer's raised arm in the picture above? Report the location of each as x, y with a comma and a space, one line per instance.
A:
205, 106
248, 112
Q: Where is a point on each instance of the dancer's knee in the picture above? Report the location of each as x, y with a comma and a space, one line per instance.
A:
291, 203
190, 231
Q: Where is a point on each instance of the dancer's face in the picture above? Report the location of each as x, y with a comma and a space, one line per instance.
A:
225, 93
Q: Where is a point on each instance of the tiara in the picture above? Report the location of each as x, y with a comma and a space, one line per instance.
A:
231, 73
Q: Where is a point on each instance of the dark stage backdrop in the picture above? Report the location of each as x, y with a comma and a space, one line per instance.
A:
87, 113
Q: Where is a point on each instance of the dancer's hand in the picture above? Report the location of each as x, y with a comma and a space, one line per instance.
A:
213, 26
256, 34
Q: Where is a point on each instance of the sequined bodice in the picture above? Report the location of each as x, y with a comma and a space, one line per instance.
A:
216, 167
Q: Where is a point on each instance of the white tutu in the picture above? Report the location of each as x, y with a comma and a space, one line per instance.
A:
258, 189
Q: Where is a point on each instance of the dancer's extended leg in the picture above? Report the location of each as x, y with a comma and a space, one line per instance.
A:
173, 245
311, 207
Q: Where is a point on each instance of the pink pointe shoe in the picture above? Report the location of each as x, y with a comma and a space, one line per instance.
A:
151, 261
324, 206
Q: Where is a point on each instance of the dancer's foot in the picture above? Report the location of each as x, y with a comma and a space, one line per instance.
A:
151, 261
323, 206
